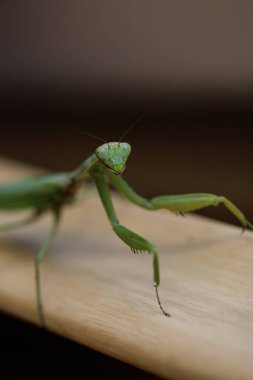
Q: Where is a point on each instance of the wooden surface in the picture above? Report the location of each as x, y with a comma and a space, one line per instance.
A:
98, 293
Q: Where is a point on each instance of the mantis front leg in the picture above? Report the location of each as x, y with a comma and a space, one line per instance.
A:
178, 203
134, 241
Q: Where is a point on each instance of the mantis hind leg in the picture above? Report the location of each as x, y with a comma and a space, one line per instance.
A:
38, 258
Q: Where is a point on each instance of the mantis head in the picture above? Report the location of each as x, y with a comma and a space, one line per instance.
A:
114, 155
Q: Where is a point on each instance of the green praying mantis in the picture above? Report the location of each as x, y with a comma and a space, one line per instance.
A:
53, 192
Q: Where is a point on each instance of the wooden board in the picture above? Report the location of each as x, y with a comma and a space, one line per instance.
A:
98, 293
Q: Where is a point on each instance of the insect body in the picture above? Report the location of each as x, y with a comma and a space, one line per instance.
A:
53, 192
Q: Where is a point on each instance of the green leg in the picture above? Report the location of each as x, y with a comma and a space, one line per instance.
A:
178, 203
134, 241
38, 258
20, 223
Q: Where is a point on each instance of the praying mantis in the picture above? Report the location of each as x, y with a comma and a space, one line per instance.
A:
55, 191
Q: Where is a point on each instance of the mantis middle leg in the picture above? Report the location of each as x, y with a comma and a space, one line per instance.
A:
178, 203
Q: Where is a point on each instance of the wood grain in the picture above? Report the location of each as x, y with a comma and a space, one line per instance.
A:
98, 293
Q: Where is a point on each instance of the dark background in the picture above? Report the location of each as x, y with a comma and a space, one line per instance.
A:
96, 66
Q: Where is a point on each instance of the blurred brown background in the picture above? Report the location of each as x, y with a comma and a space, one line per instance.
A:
97, 65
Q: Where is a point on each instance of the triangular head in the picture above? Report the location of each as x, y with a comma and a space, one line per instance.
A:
114, 155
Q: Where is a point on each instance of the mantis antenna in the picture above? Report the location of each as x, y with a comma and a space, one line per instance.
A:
137, 120
147, 113
90, 135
